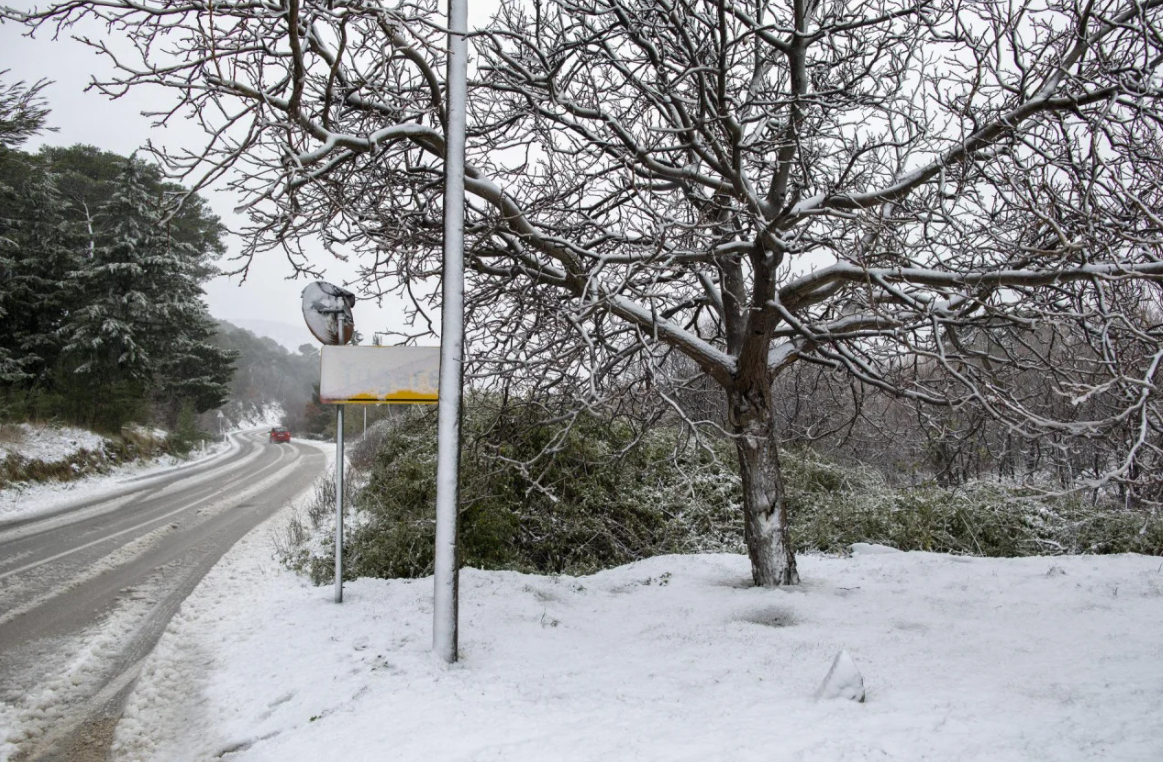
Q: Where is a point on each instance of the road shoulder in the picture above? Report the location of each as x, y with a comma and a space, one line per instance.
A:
167, 713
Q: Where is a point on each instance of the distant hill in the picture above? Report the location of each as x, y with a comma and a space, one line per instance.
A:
270, 383
286, 334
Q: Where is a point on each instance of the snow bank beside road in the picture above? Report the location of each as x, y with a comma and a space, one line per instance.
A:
50, 444
674, 658
23, 500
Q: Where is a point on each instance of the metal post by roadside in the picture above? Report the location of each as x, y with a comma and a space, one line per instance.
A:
320, 301
339, 489
445, 567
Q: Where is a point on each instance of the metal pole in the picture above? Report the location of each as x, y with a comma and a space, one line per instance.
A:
446, 576
339, 489
339, 503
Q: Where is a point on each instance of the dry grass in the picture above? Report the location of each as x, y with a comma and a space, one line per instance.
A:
11, 433
16, 468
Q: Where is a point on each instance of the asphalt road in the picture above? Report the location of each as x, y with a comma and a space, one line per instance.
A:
86, 592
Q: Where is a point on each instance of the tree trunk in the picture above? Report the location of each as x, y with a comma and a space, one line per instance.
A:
765, 531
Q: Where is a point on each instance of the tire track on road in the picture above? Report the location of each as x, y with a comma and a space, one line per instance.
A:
98, 629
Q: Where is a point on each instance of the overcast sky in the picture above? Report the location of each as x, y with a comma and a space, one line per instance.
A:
117, 126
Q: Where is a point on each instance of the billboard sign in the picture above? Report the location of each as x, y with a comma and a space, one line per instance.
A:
379, 375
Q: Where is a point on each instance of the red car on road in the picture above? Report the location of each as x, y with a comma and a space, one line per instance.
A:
280, 434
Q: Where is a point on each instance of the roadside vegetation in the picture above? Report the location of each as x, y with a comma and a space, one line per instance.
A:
102, 262
45, 453
584, 494
267, 381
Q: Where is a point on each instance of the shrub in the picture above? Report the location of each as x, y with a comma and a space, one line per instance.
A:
546, 498
584, 494
306, 543
133, 444
830, 507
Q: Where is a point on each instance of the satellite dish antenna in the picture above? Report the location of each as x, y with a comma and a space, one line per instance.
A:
324, 307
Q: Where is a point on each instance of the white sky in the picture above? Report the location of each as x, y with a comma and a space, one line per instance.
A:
117, 126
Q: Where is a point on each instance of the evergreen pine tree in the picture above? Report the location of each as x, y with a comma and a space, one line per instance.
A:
190, 368
100, 295
106, 335
140, 333
22, 112
35, 252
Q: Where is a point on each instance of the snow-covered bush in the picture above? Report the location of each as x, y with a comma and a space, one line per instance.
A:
306, 543
568, 497
41, 453
831, 507
584, 494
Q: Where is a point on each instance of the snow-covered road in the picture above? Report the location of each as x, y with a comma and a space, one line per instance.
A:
86, 592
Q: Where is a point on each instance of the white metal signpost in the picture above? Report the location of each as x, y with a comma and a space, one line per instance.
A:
361, 375
338, 482
327, 312
371, 376
451, 371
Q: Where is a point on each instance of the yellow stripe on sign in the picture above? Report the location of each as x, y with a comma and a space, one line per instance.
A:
404, 396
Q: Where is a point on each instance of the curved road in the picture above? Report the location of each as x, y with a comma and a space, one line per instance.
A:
85, 593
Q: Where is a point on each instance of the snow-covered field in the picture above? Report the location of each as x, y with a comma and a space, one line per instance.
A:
675, 658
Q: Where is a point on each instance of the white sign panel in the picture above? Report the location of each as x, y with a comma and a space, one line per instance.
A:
401, 375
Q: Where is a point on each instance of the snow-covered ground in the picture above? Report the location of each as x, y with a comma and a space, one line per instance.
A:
52, 444
47, 443
23, 500
675, 658
86, 656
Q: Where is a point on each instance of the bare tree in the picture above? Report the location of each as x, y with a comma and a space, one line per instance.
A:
901, 190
